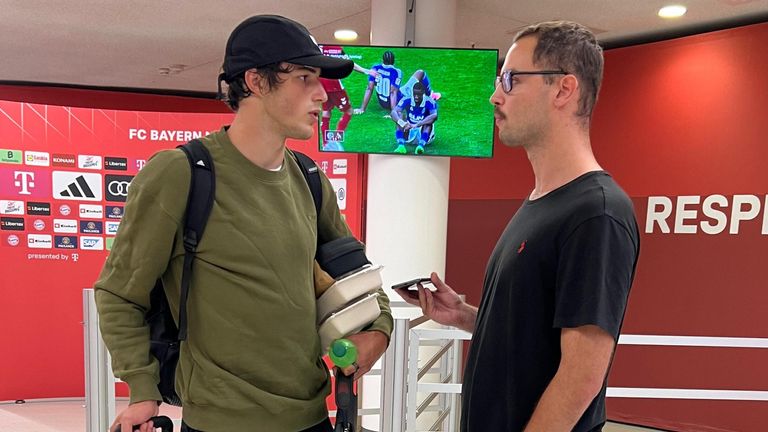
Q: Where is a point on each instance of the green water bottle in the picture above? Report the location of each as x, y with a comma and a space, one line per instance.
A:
343, 353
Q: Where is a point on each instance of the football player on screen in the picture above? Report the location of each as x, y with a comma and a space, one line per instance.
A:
421, 76
415, 118
386, 83
339, 99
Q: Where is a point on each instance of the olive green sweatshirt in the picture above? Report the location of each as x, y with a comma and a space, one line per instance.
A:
252, 360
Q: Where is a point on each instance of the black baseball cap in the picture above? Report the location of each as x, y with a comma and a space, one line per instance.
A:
265, 39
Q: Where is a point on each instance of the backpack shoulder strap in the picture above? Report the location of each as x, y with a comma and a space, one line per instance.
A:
312, 176
202, 189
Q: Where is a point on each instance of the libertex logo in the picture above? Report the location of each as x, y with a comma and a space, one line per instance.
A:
77, 186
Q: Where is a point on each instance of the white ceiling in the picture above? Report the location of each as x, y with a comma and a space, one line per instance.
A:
114, 43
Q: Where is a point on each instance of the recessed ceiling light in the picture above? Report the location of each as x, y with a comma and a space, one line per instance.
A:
345, 35
672, 11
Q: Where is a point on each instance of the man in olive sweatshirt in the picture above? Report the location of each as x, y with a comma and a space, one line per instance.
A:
252, 360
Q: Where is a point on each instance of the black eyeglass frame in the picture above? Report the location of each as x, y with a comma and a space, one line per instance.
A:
505, 79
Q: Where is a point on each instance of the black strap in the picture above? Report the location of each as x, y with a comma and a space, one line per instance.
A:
311, 174
202, 189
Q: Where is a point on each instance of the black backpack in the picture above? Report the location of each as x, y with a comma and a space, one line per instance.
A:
165, 337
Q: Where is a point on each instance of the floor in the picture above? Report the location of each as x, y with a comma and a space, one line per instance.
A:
69, 416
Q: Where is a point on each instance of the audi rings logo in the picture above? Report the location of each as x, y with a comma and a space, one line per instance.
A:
117, 187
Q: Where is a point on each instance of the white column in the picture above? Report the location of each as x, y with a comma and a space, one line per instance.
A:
407, 208
435, 23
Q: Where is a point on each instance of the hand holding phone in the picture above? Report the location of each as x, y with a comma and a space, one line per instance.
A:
411, 284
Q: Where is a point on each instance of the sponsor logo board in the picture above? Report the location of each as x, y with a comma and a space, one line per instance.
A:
36, 158
39, 241
91, 162
69, 185
38, 208
91, 243
10, 207
91, 211
115, 163
117, 186
66, 226
12, 223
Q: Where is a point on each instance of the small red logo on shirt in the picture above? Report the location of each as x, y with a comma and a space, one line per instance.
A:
522, 246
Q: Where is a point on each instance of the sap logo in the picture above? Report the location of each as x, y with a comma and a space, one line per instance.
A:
89, 162
114, 212
340, 186
111, 227
716, 218
37, 158
38, 208
340, 166
69, 185
92, 243
91, 211
65, 242
39, 241
117, 187
8, 207
91, 227
68, 226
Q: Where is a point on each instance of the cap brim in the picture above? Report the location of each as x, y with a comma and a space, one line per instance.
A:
330, 67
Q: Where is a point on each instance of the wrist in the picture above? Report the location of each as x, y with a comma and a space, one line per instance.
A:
467, 316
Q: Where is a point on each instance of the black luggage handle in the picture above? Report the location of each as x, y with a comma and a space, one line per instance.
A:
346, 404
161, 422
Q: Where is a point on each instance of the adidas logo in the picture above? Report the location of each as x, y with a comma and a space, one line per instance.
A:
78, 189
69, 185
200, 163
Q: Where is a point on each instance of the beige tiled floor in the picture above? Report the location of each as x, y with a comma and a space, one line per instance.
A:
69, 416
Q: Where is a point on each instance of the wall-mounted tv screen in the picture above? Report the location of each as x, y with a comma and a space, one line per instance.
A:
411, 101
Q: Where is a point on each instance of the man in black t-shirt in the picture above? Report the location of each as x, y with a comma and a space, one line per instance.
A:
558, 280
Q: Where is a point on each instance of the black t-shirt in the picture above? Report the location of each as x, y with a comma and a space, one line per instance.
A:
565, 260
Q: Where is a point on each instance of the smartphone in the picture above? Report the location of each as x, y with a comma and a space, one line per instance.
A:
411, 284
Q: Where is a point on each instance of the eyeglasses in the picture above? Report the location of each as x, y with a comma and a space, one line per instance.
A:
506, 77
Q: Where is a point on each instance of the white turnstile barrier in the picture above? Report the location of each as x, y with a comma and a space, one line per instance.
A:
406, 393
400, 408
99, 380
448, 385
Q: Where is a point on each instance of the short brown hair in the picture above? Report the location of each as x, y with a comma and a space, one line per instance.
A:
573, 48
237, 89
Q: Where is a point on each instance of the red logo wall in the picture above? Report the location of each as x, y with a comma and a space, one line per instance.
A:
64, 177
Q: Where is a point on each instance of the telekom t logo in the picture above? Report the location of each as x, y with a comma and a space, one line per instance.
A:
24, 180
